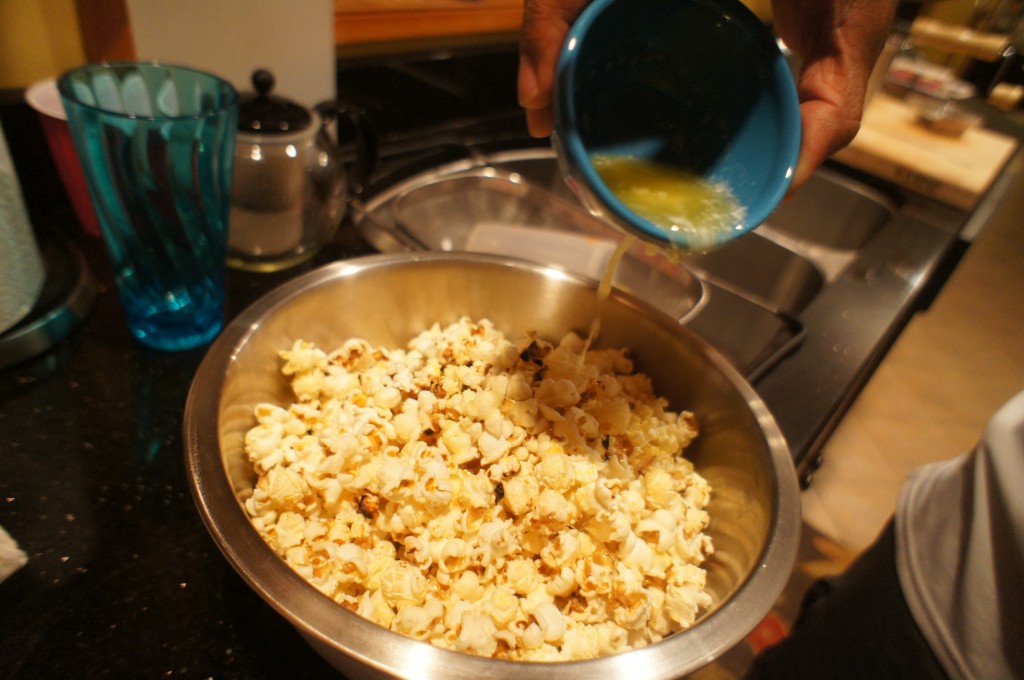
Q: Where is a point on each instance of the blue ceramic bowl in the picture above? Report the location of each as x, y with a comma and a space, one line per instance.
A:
695, 84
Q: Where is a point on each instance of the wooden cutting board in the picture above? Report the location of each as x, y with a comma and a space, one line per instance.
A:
955, 171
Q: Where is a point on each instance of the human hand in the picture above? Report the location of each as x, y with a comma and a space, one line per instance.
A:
545, 25
837, 43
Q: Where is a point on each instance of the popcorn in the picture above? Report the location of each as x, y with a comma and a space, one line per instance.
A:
418, 622
522, 500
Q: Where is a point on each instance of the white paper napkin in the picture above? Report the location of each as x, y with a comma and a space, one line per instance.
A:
12, 558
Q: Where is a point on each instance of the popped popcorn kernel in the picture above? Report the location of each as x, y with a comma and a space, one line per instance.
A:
522, 499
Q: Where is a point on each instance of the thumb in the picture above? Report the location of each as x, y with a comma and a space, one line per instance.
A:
545, 25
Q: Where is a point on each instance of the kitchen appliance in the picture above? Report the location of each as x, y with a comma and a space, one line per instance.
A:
290, 183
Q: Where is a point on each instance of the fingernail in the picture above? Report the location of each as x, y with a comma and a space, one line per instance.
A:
539, 122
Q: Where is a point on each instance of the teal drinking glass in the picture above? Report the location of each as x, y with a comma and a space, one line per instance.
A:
157, 145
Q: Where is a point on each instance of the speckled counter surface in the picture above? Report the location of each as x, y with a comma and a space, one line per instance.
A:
122, 579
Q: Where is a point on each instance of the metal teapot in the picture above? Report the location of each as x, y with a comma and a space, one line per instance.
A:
290, 182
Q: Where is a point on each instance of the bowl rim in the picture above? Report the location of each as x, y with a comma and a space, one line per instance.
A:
586, 181
226, 100
327, 626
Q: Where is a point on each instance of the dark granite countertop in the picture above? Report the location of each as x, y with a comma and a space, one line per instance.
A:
122, 578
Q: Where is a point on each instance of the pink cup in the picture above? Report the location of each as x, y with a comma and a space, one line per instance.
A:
44, 98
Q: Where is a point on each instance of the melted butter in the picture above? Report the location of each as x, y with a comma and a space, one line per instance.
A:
604, 289
673, 199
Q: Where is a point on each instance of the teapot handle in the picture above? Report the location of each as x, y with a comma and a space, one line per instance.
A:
367, 144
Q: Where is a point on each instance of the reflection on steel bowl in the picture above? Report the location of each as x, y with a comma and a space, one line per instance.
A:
386, 300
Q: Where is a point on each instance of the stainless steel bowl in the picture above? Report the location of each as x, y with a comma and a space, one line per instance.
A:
387, 299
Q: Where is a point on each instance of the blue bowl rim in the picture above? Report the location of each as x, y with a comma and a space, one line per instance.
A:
571, 147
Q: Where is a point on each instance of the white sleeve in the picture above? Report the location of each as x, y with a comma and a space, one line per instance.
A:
960, 552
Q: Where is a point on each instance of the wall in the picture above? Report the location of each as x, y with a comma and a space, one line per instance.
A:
38, 39
232, 38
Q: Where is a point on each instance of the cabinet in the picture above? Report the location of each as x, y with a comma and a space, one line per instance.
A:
362, 22
359, 25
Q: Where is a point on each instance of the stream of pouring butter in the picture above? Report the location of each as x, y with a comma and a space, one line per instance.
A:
604, 289
671, 198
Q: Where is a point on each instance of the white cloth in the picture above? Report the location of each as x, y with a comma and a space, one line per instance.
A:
960, 552
12, 558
